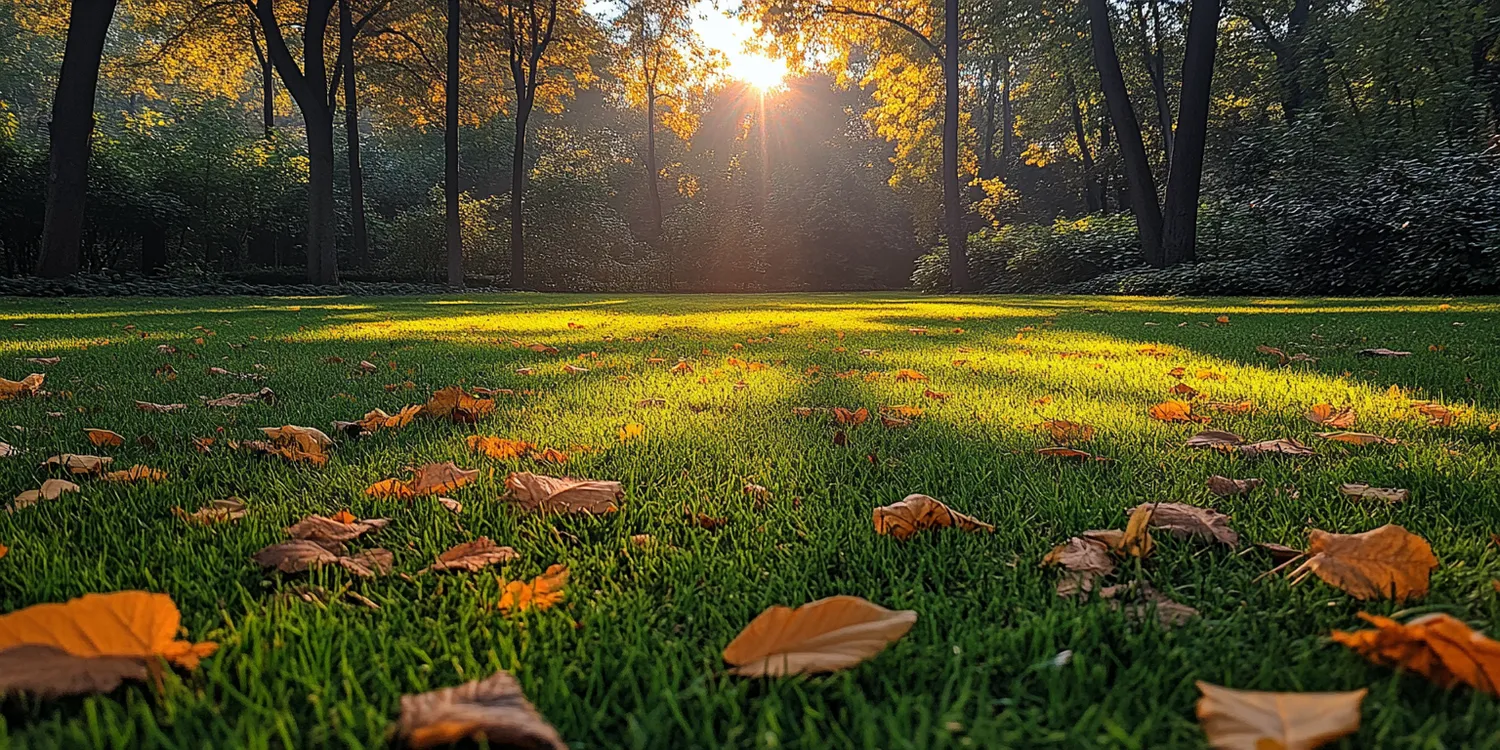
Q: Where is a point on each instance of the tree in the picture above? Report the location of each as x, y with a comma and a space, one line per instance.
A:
1140, 183
314, 90
71, 128
453, 233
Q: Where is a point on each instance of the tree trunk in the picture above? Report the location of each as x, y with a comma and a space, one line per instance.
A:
322, 257
71, 128
1092, 197
361, 237
958, 238
1156, 68
517, 198
1138, 177
450, 155
987, 134
1007, 123
1179, 236
653, 190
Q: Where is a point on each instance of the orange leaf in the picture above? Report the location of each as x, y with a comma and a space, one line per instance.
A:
493, 708
540, 593
104, 438
1388, 562
919, 512
1436, 646
498, 447
132, 624
1066, 432
909, 376
1324, 414
454, 404
822, 636
428, 479
136, 473
844, 416
1175, 411
1253, 720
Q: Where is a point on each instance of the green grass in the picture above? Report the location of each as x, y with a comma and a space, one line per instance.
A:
632, 659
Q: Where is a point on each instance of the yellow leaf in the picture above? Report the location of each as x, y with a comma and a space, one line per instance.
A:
541, 592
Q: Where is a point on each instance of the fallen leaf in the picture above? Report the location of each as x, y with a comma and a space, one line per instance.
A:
540, 593
104, 438
918, 512
7, 450
1139, 601
77, 463
1437, 646
498, 447
1437, 415
1069, 453
1326, 415
1214, 439
650, 403
302, 554
1183, 389
1185, 521
1277, 447
233, 400
1065, 432
844, 416
1085, 560
44, 360
147, 406
453, 404
543, 494
493, 709
294, 444
1175, 411
1227, 407
428, 479
1134, 541
631, 430
1380, 352
1388, 562
136, 473
474, 556
822, 636
909, 376
376, 420
218, 511
30, 385
316, 528
1366, 492
1254, 720
50, 490
1226, 487
1357, 438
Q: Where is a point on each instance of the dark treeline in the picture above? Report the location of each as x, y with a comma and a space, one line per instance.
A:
1098, 145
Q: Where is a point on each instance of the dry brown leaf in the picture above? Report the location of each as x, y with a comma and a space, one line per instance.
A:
543, 494
1381, 352
77, 463
1183, 389
474, 556
918, 512
1277, 447
845, 416
1437, 415
498, 447
909, 376
822, 636
1184, 521
302, 554
1226, 487
1067, 433
1214, 439
218, 511
1366, 492
1134, 541
88, 643
1326, 415
1388, 562
233, 400
493, 709
30, 385
1085, 560
428, 479
1436, 646
7, 450
1175, 411
1358, 438
1280, 552
454, 404
1069, 453
137, 473
1139, 601
147, 406
316, 528
294, 444
540, 593
44, 360
50, 490
376, 420
104, 438
1254, 720
1227, 407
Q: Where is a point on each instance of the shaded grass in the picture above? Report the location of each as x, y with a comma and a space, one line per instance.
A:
632, 658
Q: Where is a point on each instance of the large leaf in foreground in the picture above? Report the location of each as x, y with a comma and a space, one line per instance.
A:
1436, 646
494, 709
1385, 562
822, 636
1254, 720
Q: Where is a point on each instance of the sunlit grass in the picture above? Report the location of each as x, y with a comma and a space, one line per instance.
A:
632, 659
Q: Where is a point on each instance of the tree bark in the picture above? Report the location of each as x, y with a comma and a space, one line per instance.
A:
450, 155
322, 261
1156, 68
71, 128
517, 197
1179, 235
358, 228
991, 95
653, 190
1007, 123
1138, 177
958, 238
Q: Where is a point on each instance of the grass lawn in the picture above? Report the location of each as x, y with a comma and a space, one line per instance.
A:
631, 658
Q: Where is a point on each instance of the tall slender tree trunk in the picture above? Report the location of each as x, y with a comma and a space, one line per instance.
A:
1092, 192
953, 210
450, 154
1138, 177
322, 258
987, 135
1156, 66
653, 190
358, 227
1007, 122
1180, 233
517, 199
267, 86
71, 128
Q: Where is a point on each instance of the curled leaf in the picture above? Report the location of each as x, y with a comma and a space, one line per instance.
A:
1277, 447
302, 554
428, 479
1326, 415
822, 636
50, 490
541, 592
77, 463
30, 385
918, 512
543, 494
1175, 411
1436, 646
453, 404
1214, 439
1388, 562
1184, 521
234, 400
1226, 487
1358, 438
1067, 433
1366, 492
218, 511
104, 438
137, 473
498, 447
147, 406
474, 556
317, 528
493, 709
1254, 720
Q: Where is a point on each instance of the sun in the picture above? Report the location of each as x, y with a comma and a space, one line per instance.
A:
761, 71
